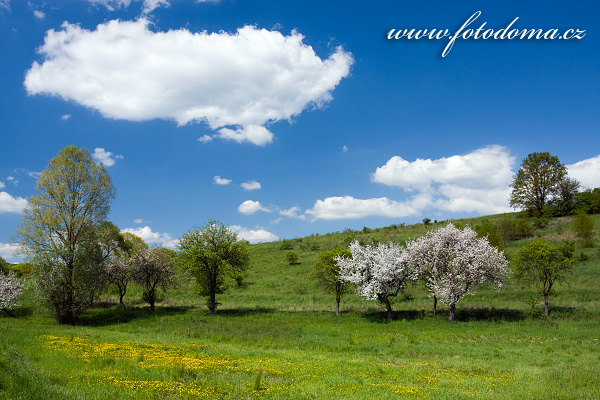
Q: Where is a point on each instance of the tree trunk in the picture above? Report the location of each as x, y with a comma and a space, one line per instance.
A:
121, 301
337, 307
212, 306
152, 305
388, 306
434, 305
452, 310
546, 305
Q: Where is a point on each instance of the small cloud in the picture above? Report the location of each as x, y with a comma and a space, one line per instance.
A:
258, 135
66, 117
33, 174
162, 239
2, 184
292, 213
345, 148
13, 180
251, 185
39, 14
138, 221
105, 157
221, 181
151, 5
205, 139
250, 207
10, 178
5, 4
254, 235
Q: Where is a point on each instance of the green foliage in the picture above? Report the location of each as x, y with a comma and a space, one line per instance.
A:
426, 221
588, 201
514, 229
153, 268
23, 270
4, 266
543, 264
292, 257
490, 230
326, 273
536, 181
286, 245
65, 233
211, 254
583, 226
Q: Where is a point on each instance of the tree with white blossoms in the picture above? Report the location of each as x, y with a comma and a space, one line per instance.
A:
10, 290
453, 262
379, 272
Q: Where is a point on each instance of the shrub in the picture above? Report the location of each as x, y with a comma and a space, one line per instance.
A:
292, 257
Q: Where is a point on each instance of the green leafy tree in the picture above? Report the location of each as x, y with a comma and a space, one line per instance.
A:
543, 264
152, 269
490, 231
4, 266
211, 254
61, 231
536, 181
588, 201
566, 202
326, 274
119, 268
583, 226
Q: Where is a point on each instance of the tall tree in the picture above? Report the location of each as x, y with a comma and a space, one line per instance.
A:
543, 264
536, 181
326, 274
211, 254
61, 234
379, 272
454, 261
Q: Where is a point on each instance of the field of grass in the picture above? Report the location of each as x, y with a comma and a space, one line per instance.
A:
277, 337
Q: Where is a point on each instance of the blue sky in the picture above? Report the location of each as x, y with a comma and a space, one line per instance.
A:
284, 119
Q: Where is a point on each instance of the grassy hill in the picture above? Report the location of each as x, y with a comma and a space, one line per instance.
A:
277, 337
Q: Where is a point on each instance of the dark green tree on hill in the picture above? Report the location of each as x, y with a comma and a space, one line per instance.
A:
326, 274
211, 254
537, 180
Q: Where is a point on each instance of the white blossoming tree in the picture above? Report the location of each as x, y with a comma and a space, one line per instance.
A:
10, 290
453, 262
379, 272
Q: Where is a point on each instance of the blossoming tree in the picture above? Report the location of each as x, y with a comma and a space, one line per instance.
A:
379, 272
10, 290
453, 262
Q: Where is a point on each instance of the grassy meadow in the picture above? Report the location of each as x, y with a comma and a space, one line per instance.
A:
277, 337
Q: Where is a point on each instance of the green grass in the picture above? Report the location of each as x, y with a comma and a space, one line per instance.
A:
277, 337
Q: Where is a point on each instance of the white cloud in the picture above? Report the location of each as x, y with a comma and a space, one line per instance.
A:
163, 239
250, 207
345, 148
254, 235
10, 178
151, 5
349, 207
9, 204
105, 157
475, 182
235, 82
7, 250
5, 4
39, 14
66, 117
148, 6
221, 181
2, 184
205, 139
251, 185
587, 172
138, 221
292, 213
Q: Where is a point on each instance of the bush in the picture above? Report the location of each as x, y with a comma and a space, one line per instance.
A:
286, 245
292, 257
583, 226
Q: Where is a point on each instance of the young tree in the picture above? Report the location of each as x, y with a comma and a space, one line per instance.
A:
59, 231
10, 290
543, 264
327, 274
119, 268
211, 254
379, 272
153, 268
454, 261
538, 178
4, 266
583, 226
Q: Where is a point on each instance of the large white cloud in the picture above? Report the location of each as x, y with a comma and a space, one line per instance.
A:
146, 233
250, 207
475, 182
349, 207
7, 250
587, 172
9, 204
254, 235
235, 82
